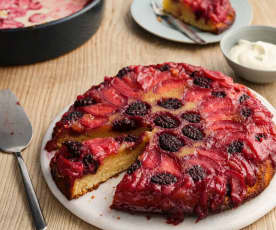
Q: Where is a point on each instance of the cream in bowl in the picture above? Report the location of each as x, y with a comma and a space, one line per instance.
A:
250, 52
23, 13
257, 55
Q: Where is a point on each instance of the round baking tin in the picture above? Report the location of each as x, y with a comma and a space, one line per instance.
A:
45, 41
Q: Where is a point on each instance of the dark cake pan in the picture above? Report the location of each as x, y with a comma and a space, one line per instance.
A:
42, 42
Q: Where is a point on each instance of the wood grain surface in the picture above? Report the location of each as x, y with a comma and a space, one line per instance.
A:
46, 88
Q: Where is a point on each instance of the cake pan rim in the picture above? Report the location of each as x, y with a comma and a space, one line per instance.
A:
91, 5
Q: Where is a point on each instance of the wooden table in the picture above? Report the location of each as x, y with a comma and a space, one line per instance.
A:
46, 88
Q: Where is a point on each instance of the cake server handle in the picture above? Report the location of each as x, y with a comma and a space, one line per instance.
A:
182, 27
38, 218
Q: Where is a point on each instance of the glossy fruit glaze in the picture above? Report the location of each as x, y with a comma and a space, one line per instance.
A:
209, 137
21, 13
215, 10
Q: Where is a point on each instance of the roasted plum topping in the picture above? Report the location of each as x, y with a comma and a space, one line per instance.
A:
137, 164
72, 116
170, 103
163, 179
123, 72
166, 121
169, 142
124, 124
193, 132
246, 112
74, 148
164, 68
197, 173
192, 117
260, 136
90, 165
85, 102
219, 94
243, 98
138, 108
235, 147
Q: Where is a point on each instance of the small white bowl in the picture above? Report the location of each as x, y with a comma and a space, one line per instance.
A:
253, 34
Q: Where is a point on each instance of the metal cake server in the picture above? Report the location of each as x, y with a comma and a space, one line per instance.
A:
177, 24
15, 135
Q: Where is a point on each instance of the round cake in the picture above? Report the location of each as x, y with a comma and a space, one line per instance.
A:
23, 13
191, 141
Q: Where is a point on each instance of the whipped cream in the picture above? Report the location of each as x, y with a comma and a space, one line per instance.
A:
258, 55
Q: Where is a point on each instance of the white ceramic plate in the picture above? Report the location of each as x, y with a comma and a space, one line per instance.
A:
96, 211
142, 13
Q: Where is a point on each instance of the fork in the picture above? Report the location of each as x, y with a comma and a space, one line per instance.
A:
177, 24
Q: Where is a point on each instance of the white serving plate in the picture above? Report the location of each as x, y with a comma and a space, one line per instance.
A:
96, 211
143, 15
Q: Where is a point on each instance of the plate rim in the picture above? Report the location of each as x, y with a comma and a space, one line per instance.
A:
107, 225
187, 40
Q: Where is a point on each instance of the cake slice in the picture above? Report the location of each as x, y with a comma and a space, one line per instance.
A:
79, 167
213, 16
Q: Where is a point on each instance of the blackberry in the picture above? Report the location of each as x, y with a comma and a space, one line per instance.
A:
85, 102
198, 14
170, 142
138, 108
193, 132
73, 116
124, 124
228, 190
163, 179
164, 68
246, 112
235, 147
123, 72
192, 117
166, 121
200, 80
219, 94
170, 103
136, 165
243, 98
130, 138
197, 173
260, 136
74, 147
90, 164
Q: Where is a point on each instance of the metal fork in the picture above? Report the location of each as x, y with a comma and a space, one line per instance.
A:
177, 24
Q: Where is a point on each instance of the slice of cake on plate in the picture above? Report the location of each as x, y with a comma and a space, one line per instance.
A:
213, 16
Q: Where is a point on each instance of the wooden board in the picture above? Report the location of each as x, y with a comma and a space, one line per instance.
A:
46, 88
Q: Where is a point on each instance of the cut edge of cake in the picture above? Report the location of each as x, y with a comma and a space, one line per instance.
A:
111, 166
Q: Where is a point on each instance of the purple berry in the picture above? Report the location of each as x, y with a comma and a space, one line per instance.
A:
138, 108
166, 121
163, 179
193, 132
170, 103
192, 117
169, 142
